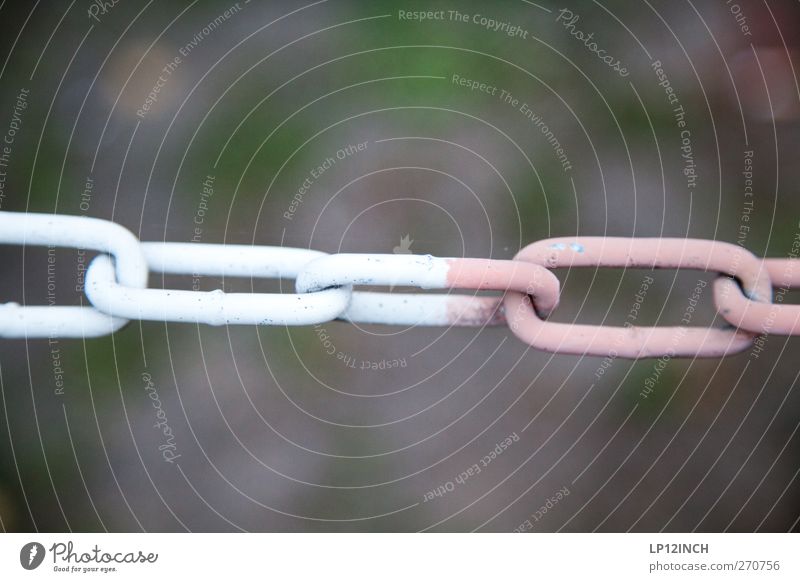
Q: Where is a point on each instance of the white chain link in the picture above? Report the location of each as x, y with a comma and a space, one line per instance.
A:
18, 321
392, 270
426, 272
215, 307
116, 284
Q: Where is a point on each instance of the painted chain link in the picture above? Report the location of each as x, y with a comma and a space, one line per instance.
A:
117, 289
644, 253
27, 229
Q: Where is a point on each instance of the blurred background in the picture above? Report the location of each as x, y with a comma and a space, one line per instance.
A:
482, 127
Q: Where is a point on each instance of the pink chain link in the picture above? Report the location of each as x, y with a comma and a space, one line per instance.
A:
759, 317
749, 308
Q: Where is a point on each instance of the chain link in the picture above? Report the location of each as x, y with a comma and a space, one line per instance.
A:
429, 272
29, 229
215, 307
761, 317
117, 288
640, 253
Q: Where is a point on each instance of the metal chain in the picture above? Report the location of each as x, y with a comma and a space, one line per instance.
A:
639, 342
117, 279
76, 232
215, 307
428, 272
